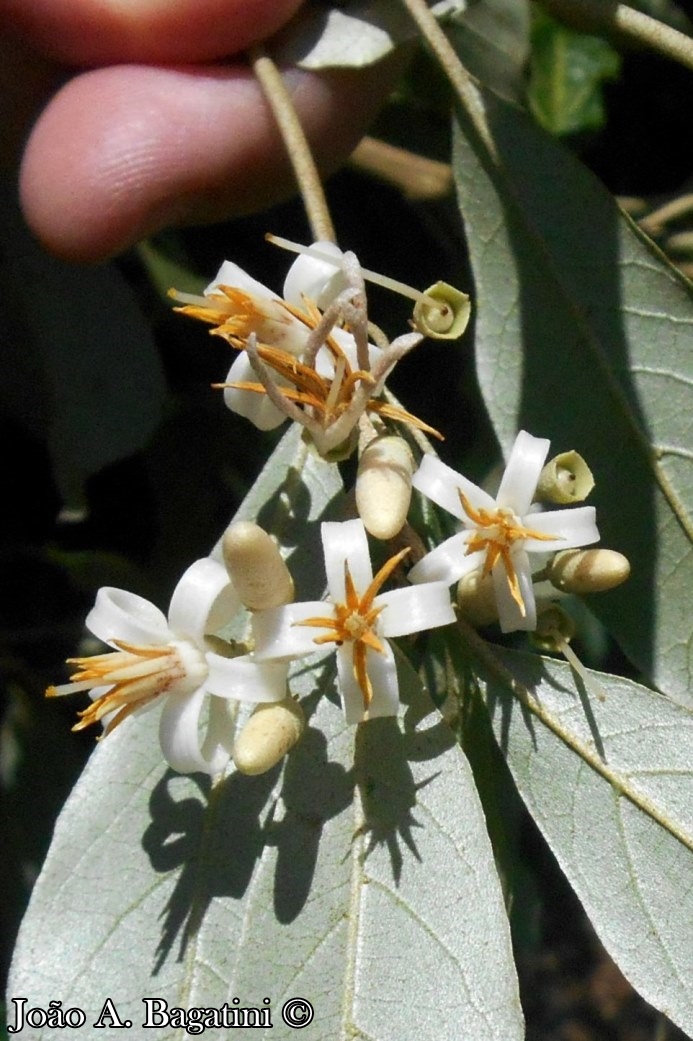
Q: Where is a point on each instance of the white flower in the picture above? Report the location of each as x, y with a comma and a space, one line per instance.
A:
357, 618
500, 535
297, 360
239, 306
171, 660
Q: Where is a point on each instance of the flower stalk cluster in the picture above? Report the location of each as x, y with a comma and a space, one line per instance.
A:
312, 357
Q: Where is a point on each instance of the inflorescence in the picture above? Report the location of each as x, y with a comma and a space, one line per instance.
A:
312, 357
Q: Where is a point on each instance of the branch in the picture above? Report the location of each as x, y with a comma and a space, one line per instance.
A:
639, 28
306, 172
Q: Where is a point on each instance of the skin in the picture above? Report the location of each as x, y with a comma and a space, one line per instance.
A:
126, 116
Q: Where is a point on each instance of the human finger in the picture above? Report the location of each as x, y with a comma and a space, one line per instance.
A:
121, 152
96, 32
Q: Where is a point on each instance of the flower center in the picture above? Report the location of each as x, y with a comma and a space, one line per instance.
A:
134, 676
355, 622
302, 394
325, 398
356, 626
497, 533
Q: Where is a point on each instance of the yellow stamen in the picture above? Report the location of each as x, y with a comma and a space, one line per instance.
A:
329, 398
497, 531
332, 399
226, 307
354, 622
236, 314
135, 675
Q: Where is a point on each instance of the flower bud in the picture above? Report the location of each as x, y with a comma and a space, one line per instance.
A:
565, 479
257, 570
444, 313
554, 630
272, 730
476, 599
588, 570
383, 485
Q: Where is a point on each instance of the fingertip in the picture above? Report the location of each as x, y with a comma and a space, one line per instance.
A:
122, 152
95, 32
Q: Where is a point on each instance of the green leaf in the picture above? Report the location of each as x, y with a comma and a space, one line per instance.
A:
583, 335
354, 35
168, 267
83, 368
360, 877
567, 70
492, 38
610, 784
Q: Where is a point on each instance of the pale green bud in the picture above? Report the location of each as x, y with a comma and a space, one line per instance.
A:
565, 479
583, 571
555, 629
383, 485
476, 599
271, 732
443, 313
257, 570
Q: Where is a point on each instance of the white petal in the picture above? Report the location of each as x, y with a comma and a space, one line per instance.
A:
539, 559
324, 362
245, 679
448, 562
203, 601
230, 274
521, 476
256, 407
441, 483
217, 747
315, 278
382, 672
179, 734
572, 527
278, 635
120, 615
510, 616
345, 541
414, 609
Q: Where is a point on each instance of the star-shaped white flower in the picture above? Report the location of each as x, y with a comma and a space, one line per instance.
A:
170, 659
357, 618
500, 535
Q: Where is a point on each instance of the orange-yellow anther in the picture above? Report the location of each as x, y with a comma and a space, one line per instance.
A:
354, 622
497, 532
